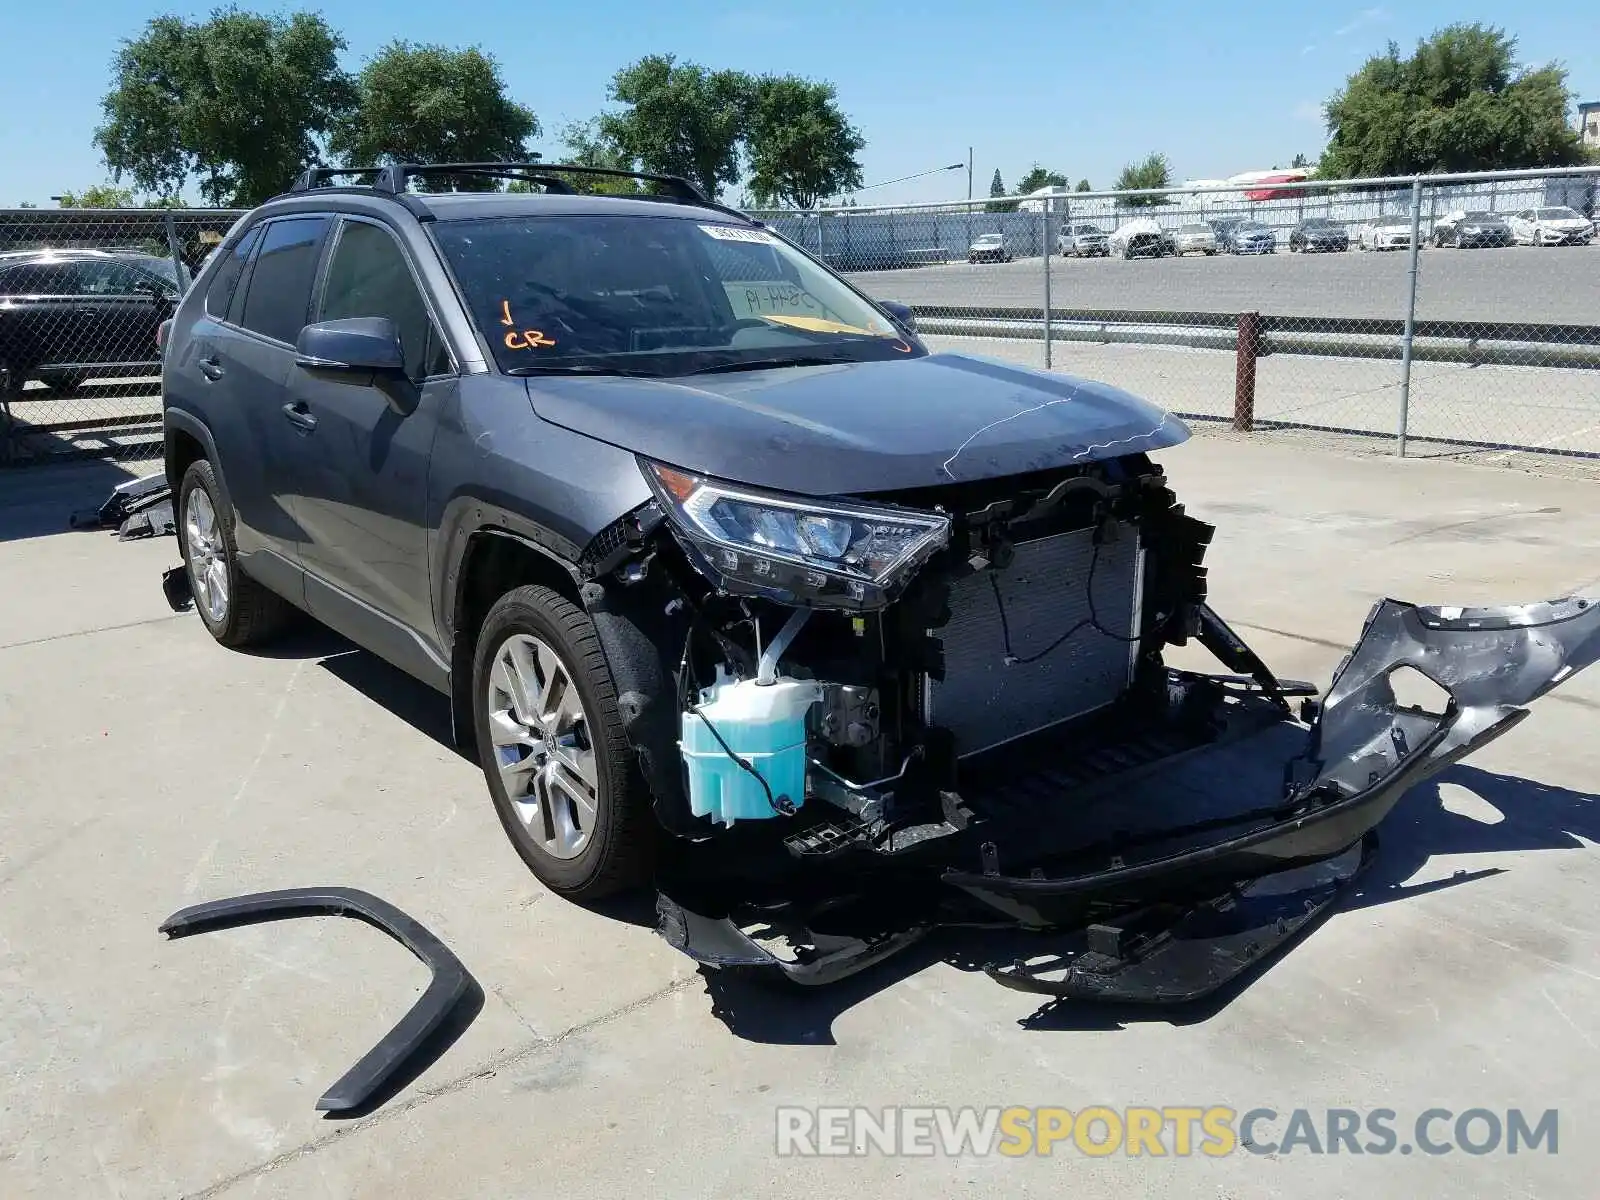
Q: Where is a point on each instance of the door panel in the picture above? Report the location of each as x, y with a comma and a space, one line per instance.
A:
363, 505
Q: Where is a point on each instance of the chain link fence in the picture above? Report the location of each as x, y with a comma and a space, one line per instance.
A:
1440, 315
82, 295
1443, 315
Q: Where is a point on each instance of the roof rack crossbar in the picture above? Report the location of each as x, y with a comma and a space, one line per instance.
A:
315, 177
393, 178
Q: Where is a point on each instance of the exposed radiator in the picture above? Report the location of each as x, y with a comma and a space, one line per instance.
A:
1044, 593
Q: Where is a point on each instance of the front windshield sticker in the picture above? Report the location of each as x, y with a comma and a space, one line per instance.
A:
818, 324
738, 233
521, 339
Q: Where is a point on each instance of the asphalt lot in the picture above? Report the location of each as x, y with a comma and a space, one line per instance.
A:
1558, 285
1452, 405
143, 768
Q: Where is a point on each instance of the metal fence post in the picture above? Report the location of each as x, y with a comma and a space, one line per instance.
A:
1411, 317
1044, 244
172, 245
821, 255
1246, 350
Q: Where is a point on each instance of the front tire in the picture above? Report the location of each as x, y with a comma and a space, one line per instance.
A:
235, 609
551, 741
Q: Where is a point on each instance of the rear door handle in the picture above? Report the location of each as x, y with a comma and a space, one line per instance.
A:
211, 368
298, 415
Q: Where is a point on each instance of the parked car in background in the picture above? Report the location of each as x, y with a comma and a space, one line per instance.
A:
1385, 233
1142, 237
1081, 241
989, 247
68, 315
1197, 236
1558, 226
1246, 237
1317, 235
1461, 228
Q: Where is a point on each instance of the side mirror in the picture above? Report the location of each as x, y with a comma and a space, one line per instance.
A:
359, 347
367, 345
902, 314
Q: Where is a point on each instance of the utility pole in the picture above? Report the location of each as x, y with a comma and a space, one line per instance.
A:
969, 177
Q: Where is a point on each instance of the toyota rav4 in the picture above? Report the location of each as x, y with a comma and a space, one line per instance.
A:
734, 585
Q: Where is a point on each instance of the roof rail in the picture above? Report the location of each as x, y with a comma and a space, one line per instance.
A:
392, 179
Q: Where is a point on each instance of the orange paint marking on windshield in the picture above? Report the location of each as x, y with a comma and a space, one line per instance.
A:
527, 339
505, 313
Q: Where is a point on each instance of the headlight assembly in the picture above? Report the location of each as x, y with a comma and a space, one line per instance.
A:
825, 553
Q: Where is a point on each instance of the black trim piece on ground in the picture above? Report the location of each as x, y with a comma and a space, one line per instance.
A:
449, 984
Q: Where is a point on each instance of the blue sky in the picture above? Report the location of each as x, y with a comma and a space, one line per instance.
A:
1082, 89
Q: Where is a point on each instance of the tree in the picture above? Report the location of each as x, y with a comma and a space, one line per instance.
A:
800, 146
997, 188
1083, 186
1300, 163
1153, 172
100, 195
427, 104
1037, 177
586, 146
1460, 102
241, 100
681, 119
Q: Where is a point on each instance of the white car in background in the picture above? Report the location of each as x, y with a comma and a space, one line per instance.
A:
1385, 233
1557, 226
1139, 237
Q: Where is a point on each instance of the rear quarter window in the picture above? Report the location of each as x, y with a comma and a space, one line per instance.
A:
220, 293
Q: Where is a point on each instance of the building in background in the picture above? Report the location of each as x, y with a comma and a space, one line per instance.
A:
1589, 123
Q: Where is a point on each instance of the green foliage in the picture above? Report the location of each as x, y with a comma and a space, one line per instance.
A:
1460, 102
800, 146
428, 103
239, 99
586, 146
1083, 186
100, 195
1300, 163
681, 119
1037, 177
1153, 172
997, 188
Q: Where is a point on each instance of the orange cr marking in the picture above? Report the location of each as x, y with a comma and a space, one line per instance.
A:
527, 339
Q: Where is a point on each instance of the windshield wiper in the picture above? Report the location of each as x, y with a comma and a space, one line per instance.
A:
768, 364
580, 369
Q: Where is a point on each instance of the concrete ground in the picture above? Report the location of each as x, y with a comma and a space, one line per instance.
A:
143, 768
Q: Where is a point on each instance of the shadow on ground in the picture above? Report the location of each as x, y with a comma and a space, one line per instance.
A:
36, 501
1531, 816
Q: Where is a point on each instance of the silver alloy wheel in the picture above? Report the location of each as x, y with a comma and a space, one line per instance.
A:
208, 560
542, 745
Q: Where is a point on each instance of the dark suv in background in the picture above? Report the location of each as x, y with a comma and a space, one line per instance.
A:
722, 570
67, 315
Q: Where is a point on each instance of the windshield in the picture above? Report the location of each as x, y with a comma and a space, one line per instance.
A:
1556, 214
654, 296
988, 239
1478, 216
1086, 229
1203, 229
1251, 227
1318, 223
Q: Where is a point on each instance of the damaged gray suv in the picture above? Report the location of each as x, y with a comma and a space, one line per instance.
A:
735, 588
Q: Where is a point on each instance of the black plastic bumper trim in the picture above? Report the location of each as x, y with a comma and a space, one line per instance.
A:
450, 980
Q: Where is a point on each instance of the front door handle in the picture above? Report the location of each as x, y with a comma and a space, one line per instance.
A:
211, 368
298, 415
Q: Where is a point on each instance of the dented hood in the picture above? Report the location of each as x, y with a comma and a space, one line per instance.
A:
862, 427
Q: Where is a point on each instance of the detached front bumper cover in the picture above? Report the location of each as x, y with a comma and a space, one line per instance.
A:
1170, 939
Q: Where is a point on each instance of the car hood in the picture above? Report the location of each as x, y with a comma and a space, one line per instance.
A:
862, 427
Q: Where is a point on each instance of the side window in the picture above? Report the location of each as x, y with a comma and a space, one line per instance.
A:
41, 279
100, 277
368, 277
222, 283
278, 293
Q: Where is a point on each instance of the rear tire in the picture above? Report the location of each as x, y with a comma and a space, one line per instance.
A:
235, 609
582, 820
